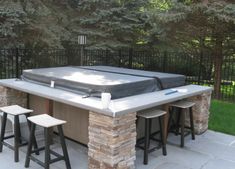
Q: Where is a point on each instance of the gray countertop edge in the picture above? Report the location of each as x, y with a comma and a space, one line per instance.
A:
107, 112
161, 103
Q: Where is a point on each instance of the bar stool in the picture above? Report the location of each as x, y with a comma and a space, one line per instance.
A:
13, 111
183, 107
47, 122
149, 115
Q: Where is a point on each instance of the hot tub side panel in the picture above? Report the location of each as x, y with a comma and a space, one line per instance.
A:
76, 127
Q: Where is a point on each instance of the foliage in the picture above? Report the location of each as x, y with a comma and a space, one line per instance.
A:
197, 26
187, 24
34, 23
113, 24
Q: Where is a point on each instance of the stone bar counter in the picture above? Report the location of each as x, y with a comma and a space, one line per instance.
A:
111, 133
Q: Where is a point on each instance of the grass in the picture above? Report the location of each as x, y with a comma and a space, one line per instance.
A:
222, 117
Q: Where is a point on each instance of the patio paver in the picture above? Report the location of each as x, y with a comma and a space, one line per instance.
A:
211, 150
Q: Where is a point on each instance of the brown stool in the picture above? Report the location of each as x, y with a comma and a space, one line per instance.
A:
183, 107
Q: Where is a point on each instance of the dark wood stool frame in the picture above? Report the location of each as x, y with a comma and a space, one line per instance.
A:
48, 152
180, 124
150, 136
18, 141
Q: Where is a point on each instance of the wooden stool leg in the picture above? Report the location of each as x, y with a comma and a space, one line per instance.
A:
192, 123
47, 148
182, 127
33, 137
162, 137
146, 141
27, 160
64, 148
17, 137
4, 121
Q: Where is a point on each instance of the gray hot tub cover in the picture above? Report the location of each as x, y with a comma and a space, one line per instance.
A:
94, 80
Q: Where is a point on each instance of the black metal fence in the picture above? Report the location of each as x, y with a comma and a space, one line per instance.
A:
198, 68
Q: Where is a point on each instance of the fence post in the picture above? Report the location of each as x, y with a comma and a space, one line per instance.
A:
106, 56
200, 67
130, 58
120, 56
164, 61
17, 62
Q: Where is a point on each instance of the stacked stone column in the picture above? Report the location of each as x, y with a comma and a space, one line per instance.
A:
111, 141
200, 112
10, 97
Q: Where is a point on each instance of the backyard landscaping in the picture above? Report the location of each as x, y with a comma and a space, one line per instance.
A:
222, 117
137, 84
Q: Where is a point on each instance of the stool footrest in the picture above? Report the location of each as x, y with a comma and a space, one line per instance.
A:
55, 154
186, 133
12, 147
37, 150
152, 149
8, 137
37, 161
58, 157
8, 145
141, 140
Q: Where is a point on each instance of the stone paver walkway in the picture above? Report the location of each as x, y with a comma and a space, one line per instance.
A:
211, 150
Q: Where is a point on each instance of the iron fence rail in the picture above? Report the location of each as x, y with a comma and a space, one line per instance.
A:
199, 69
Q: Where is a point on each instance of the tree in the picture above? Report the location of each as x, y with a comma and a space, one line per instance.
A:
113, 24
199, 25
12, 19
35, 23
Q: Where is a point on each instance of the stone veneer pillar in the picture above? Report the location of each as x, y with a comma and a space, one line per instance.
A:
111, 141
200, 112
10, 97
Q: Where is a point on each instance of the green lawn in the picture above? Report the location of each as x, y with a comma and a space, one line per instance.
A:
222, 117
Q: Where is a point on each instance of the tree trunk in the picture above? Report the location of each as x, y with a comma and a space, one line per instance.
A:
218, 61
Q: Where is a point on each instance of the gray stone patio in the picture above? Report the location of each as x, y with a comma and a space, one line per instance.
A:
211, 150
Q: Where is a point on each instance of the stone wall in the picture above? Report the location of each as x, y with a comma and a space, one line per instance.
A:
111, 141
200, 112
10, 96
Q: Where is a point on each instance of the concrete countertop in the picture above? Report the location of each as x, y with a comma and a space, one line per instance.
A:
117, 107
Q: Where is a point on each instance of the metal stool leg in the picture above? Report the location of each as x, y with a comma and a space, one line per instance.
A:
64, 148
192, 123
170, 120
27, 160
47, 148
4, 121
182, 126
35, 145
178, 121
150, 131
162, 137
146, 141
17, 137
19, 131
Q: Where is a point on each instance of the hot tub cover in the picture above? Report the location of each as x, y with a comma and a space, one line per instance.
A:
93, 80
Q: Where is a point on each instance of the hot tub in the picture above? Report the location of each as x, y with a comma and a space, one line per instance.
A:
93, 80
